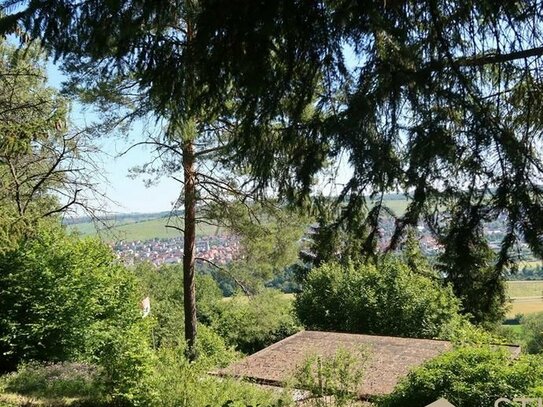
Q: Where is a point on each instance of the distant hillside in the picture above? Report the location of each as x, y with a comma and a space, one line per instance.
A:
121, 218
145, 226
138, 229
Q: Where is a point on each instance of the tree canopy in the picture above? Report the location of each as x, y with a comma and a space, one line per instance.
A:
438, 99
44, 165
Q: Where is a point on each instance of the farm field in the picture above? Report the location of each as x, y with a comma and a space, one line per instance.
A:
140, 230
529, 263
398, 206
153, 227
525, 288
526, 297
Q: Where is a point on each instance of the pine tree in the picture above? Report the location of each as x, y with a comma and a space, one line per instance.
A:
436, 98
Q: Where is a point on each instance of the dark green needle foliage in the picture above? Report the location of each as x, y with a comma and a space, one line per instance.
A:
467, 263
436, 98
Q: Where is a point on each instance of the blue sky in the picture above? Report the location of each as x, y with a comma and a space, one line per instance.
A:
128, 195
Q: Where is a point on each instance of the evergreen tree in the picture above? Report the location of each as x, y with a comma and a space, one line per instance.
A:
467, 263
440, 99
413, 256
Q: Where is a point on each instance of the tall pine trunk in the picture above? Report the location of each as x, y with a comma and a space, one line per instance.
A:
189, 172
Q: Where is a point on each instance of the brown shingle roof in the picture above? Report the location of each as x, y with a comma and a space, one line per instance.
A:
389, 358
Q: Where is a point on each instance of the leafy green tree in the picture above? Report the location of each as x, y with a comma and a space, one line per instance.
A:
269, 240
439, 99
532, 332
65, 299
252, 323
470, 377
386, 298
190, 139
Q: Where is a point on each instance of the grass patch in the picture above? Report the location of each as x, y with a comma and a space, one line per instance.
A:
52, 385
515, 329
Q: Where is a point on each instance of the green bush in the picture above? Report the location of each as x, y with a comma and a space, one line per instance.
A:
533, 332
164, 286
127, 360
179, 383
66, 299
462, 332
332, 381
252, 323
212, 350
387, 298
469, 377
58, 292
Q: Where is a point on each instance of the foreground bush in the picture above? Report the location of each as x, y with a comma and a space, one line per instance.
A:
387, 299
58, 294
532, 332
334, 380
470, 377
68, 299
178, 383
164, 285
252, 323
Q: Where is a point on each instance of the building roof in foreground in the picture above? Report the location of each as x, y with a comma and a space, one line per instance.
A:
388, 358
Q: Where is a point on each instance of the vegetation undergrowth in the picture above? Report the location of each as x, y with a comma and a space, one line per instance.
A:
333, 380
470, 376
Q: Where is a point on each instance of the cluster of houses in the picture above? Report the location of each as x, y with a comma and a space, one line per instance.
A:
219, 249
222, 249
494, 231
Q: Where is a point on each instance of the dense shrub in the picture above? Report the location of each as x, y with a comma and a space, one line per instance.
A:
64, 299
164, 286
387, 298
252, 323
470, 377
212, 350
532, 332
58, 293
177, 382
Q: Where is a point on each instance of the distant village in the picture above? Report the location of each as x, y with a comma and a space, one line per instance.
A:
222, 249
494, 231
219, 249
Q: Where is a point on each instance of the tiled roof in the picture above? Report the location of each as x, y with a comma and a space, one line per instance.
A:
388, 358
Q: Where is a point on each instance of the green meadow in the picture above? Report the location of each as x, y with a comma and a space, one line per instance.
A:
140, 230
